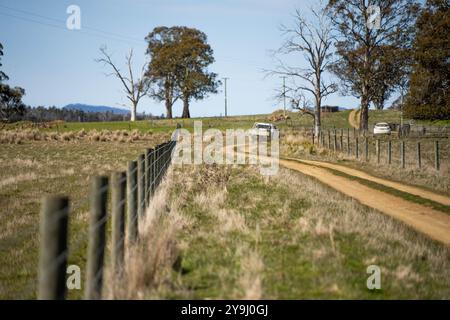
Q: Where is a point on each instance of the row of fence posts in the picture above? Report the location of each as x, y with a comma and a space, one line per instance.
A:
131, 193
329, 139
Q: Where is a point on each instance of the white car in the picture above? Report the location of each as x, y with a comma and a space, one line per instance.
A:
263, 129
382, 128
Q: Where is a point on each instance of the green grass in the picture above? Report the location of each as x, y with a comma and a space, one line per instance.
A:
32, 170
311, 242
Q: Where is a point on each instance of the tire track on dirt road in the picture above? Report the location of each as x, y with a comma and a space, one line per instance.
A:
423, 193
433, 223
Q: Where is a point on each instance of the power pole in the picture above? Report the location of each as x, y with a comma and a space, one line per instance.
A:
225, 79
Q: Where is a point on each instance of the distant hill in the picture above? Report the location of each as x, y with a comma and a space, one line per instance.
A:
90, 108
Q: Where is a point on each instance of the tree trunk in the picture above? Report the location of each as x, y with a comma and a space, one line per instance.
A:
364, 114
133, 112
168, 109
168, 98
318, 96
186, 113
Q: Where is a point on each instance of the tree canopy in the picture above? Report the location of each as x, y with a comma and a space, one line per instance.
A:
428, 97
10, 98
180, 57
365, 50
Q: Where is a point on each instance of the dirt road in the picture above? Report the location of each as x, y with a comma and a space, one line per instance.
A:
433, 223
426, 194
353, 118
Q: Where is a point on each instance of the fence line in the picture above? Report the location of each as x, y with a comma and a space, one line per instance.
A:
410, 152
131, 190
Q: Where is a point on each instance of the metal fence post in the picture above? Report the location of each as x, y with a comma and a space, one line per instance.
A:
97, 237
419, 155
53, 251
389, 150
437, 163
402, 153
366, 146
378, 150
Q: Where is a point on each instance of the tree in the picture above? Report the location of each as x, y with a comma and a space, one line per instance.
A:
3, 76
361, 39
135, 89
428, 96
392, 67
180, 57
10, 98
314, 41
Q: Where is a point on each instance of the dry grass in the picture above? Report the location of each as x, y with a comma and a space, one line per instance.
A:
250, 237
35, 168
19, 136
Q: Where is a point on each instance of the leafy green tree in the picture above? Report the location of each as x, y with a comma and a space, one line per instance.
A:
10, 98
3, 76
180, 57
361, 41
429, 97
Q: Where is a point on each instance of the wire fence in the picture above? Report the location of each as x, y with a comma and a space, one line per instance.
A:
129, 193
405, 152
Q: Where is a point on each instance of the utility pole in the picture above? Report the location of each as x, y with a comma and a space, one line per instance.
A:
284, 95
225, 79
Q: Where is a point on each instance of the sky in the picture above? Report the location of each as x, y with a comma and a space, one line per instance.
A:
57, 66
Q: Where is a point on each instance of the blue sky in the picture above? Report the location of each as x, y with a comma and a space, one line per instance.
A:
56, 66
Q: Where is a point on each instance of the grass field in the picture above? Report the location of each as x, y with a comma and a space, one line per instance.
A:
329, 120
30, 170
280, 234
287, 237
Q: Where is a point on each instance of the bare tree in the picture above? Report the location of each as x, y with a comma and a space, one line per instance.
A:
134, 89
364, 27
312, 39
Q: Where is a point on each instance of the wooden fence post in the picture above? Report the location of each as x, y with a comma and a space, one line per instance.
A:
141, 184
150, 173
419, 155
335, 140
97, 237
341, 142
389, 150
402, 153
147, 177
118, 196
132, 201
437, 163
53, 251
356, 148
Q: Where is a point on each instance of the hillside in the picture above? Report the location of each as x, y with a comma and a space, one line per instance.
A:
91, 108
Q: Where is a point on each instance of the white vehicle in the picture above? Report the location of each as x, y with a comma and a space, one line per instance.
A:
382, 128
263, 129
